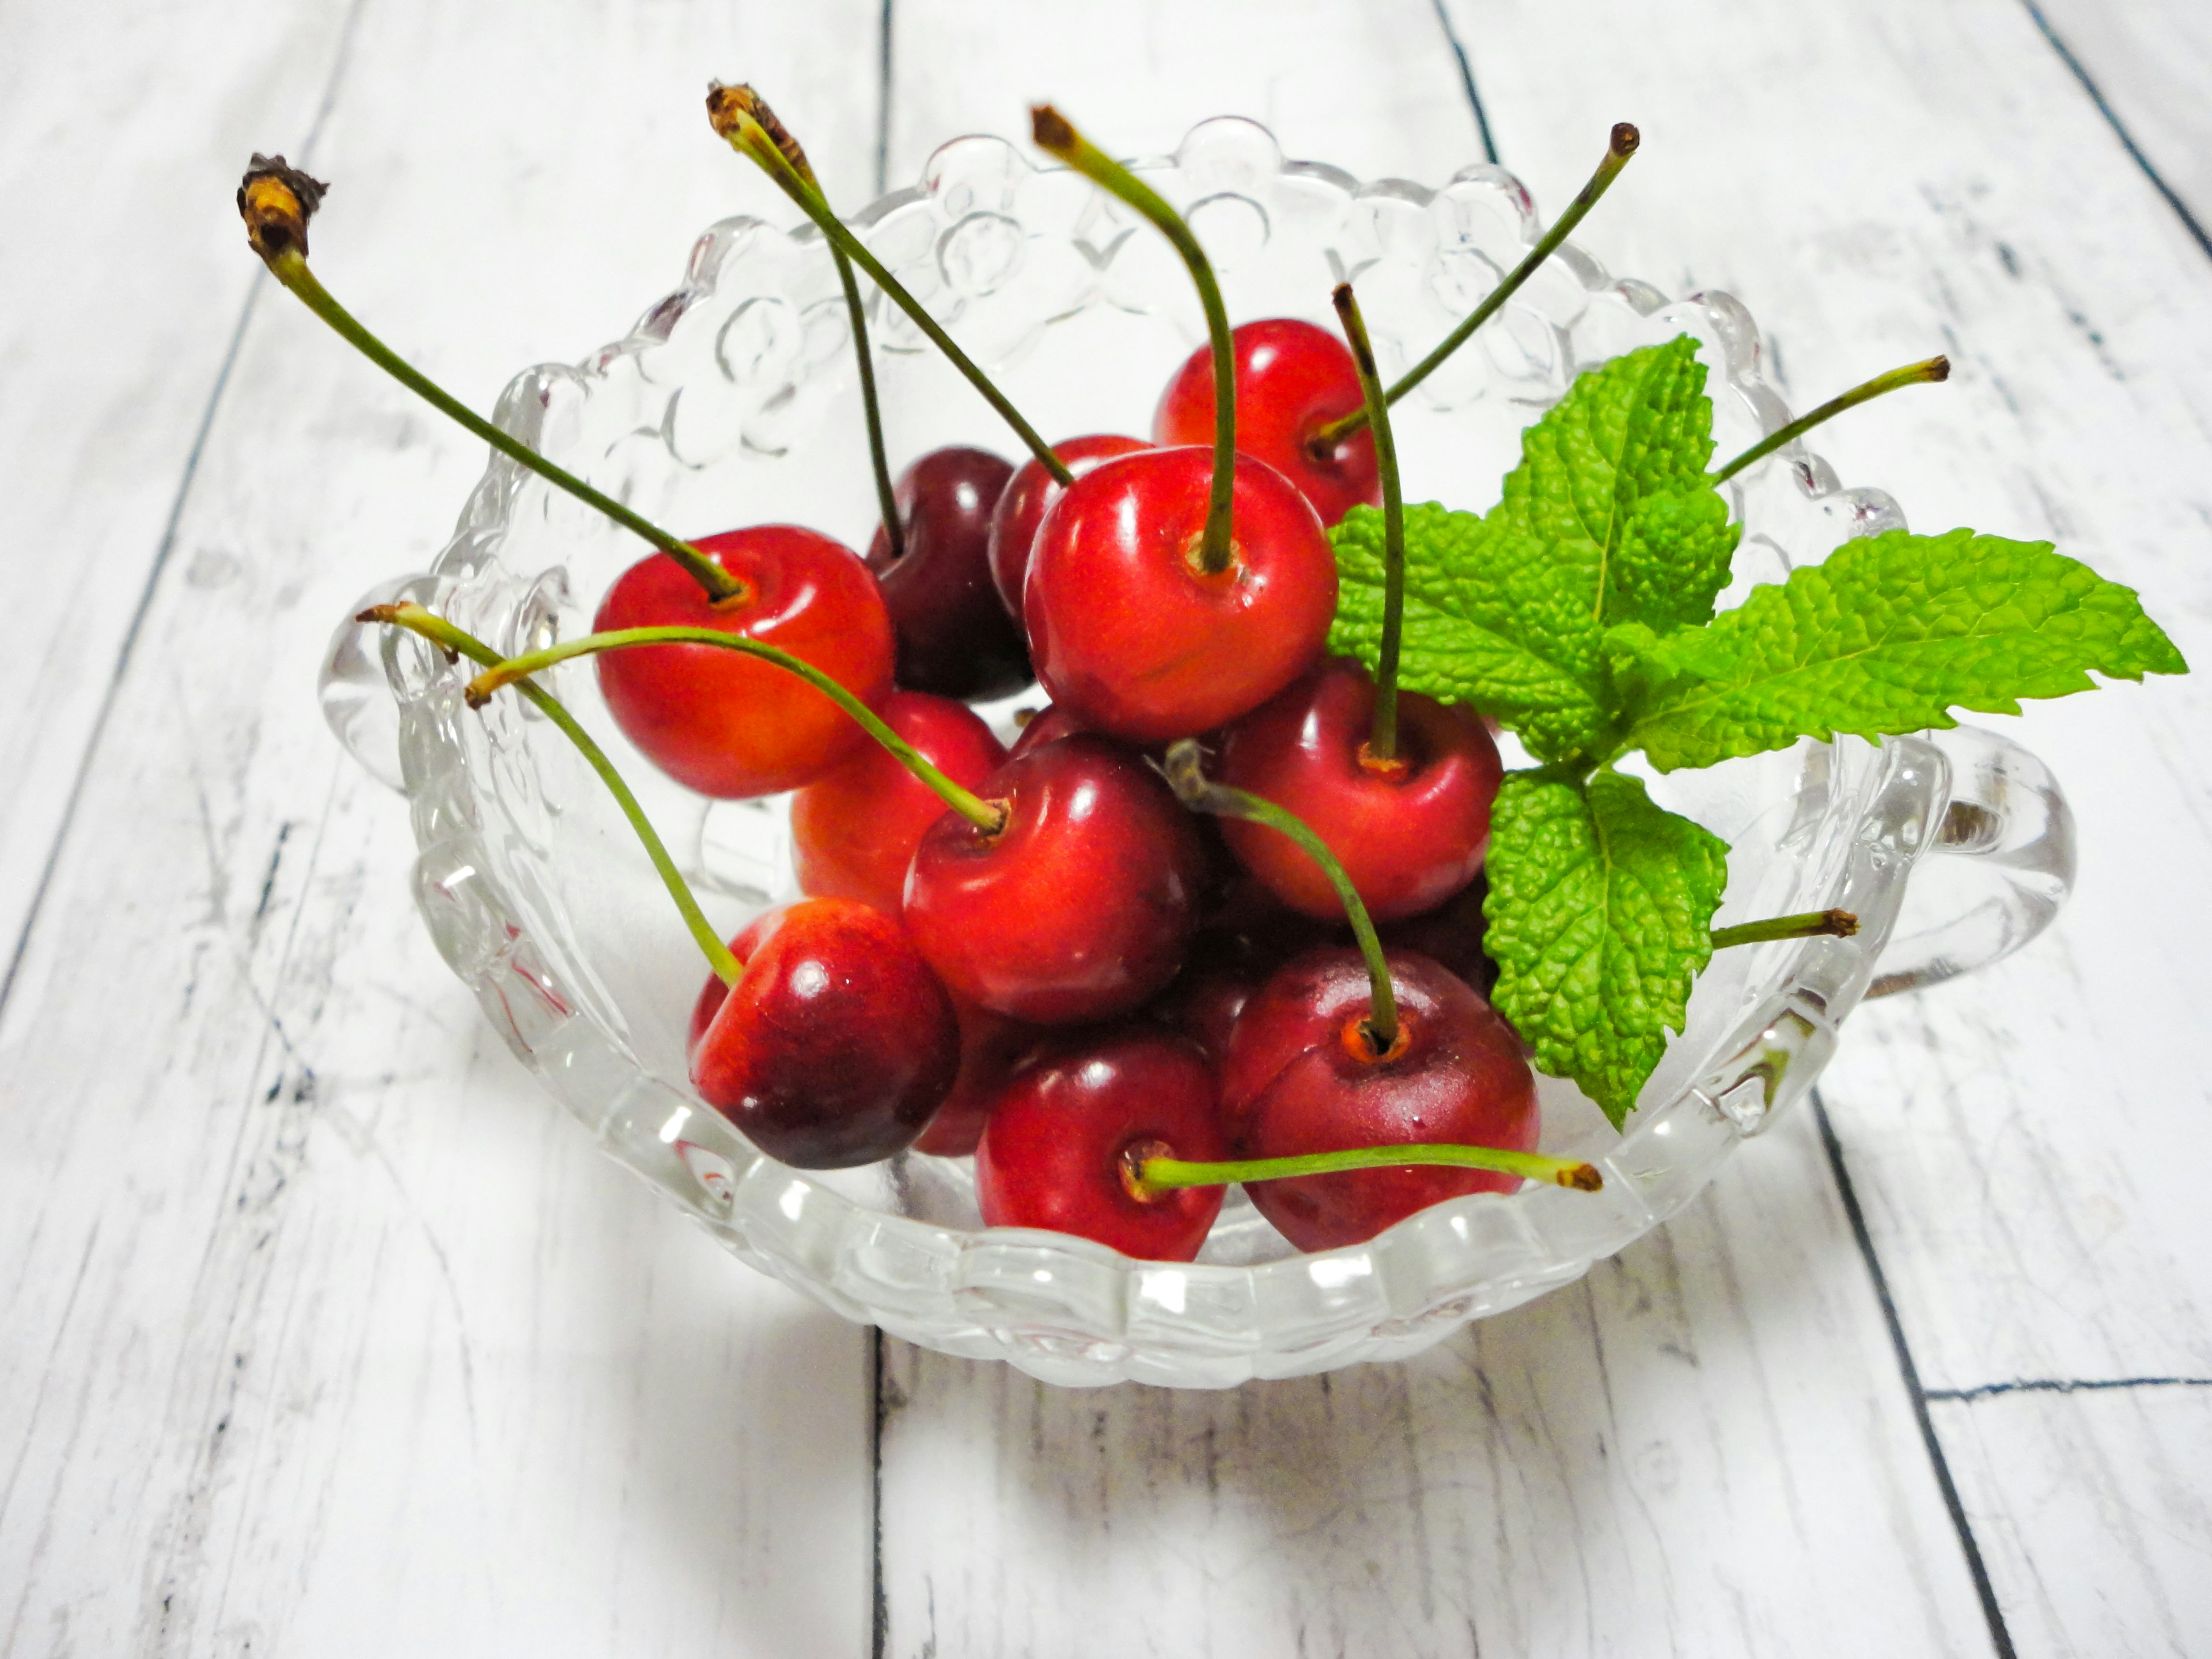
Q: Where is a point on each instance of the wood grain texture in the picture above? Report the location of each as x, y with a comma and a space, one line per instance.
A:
321, 1331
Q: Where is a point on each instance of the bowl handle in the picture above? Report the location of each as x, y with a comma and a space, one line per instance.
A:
2001, 865
354, 685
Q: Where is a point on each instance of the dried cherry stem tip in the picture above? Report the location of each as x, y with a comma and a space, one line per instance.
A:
735, 113
277, 200
1620, 147
1186, 775
1056, 136
1382, 736
456, 644
1147, 1173
986, 816
1929, 373
1811, 924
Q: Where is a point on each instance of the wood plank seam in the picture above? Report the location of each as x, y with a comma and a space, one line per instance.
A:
2196, 228
2000, 1636
1467, 80
2067, 1385
883, 104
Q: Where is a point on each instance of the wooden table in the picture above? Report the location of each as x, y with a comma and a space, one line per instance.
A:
321, 1332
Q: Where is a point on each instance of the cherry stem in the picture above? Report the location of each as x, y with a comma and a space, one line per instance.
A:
277, 202
1812, 924
1382, 739
1055, 136
1622, 146
734, 111
1927, 373
1184, 767
1157, 1173
455, 642
986, 816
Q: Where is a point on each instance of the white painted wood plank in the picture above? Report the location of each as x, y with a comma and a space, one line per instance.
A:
321, 1330
1876, 181
1704, 1450
2150, 61
2091, 1511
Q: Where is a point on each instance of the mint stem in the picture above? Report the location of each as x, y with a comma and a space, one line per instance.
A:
1053, 135
1152, 1173
1924, 373
1382, 739
441, 633
1812, 924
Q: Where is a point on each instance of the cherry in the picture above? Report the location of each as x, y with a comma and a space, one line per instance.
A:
835, 1044
1054, 1154
1130, 629
1453, 934
1302, 1075
955, 638
1411, 831
853, 829
991, 1045
1291, 378
1030, 496
1079, 906
732, 725
1048, 725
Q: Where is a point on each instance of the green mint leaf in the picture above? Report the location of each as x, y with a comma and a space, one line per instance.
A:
1608, 518
1599, 917
1889, 635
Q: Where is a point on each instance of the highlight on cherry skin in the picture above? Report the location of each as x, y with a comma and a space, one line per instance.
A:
955, 637
731, 726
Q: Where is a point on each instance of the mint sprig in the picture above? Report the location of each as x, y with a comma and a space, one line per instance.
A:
1578, 613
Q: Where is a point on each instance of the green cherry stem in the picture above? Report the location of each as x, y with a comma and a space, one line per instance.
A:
1812, 924
732, 111
788, 148
277, 202
1056, 138
1383, 739
1619, 150
1927, 373
1185, 774
1148, 1173
453, 641
982, 814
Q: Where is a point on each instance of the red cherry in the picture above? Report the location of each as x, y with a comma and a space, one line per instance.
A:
990, 1047
955, 638
1080, 907
726, 724
1030, 496
835, 1044
1410, 832
1291, 378
853, 831
1452, 934
1134, 635
1300, 1077
1052, 1156
1048, 724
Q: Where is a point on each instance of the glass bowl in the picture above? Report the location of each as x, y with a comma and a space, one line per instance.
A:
733, 400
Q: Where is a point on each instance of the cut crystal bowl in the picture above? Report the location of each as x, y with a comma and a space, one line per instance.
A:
734, 401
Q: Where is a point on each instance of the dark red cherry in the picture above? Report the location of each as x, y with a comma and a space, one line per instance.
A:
1301, 1077
1021, 508
1410, 832
1080, 909
1291, 378
836, 1043
955, 638
1052, 1155
1453, 934
729, 725
1048, 723
990, 1046
1131, 632
853, 831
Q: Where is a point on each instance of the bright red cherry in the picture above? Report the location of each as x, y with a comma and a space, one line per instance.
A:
955, 638
853, 831
1291, 378
1027, 499
1080, 907
729, 725
1301, 1076
835, 1044
1053, 1154
1410, 831
1131, 632
990, 1047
